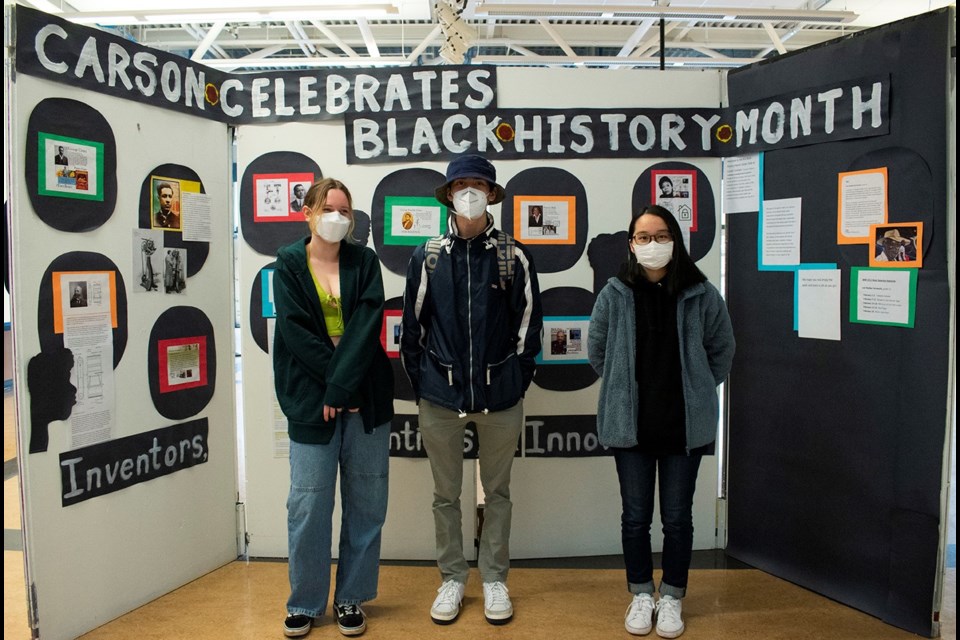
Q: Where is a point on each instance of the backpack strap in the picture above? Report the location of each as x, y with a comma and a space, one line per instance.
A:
506, 251
431, 254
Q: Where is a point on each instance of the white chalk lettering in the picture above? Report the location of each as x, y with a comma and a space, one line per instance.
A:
365, 92
446, 134
829, 98
634, 132
231, 110
800, 115
396, 92
307, 93
773, 123
258, 97
578, 127
522, 133
170, 81
613, 121
145, 63
281, 108
117, 62
671, 126
89, 59
40, 43
338, 98
860, 106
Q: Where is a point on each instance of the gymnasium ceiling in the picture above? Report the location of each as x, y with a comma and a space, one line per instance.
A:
250, 35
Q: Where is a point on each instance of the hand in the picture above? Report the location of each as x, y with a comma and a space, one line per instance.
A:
354, 409
329, 413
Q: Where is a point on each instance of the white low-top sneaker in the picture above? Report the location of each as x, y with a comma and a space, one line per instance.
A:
669, 622
446, 606
639, 618
496, 603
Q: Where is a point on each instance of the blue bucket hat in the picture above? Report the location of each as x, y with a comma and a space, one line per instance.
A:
471, 166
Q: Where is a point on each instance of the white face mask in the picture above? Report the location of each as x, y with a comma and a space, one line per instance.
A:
470, 203
331, 226
654, 255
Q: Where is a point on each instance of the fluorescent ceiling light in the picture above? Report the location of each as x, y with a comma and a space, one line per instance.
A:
630, 12
45, 5
207, 15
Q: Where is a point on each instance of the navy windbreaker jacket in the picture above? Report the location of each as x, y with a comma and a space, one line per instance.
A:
468, 339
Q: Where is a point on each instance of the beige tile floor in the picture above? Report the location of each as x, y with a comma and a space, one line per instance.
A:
245, 600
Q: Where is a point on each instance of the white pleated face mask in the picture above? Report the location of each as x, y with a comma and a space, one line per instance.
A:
331, 226
653, 255
470, 203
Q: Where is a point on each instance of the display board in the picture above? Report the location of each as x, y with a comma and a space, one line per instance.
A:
126, 414
839, 392
123, 195
586, 213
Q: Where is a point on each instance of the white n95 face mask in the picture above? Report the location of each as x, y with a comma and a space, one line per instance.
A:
331, 226
470, 203
654, 255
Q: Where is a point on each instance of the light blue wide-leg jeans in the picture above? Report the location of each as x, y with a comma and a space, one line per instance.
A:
363, 462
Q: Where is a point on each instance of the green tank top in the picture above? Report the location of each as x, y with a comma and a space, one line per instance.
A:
330, 305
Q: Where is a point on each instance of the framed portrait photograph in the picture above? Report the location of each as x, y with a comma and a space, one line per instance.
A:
279, 197
70, 167
676, 191
565, 340
545, 219
83, 293
183, 363
411, 220
390, 332
165, 204
896, 245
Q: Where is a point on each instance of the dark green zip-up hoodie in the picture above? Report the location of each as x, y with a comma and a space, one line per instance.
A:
308, 371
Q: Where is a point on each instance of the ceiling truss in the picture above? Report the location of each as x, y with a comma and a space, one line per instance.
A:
505, 34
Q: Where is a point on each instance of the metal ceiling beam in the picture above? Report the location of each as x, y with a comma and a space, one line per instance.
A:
368, 38
333, 37
774, 38
208, 40
426, 42
620, 12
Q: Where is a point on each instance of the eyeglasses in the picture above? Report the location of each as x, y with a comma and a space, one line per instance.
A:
661, 238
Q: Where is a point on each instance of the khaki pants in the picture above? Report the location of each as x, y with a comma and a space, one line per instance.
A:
442, 431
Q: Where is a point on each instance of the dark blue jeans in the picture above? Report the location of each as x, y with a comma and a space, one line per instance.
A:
678, 478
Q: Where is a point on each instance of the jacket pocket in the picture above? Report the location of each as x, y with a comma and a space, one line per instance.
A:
504, 380
438, 375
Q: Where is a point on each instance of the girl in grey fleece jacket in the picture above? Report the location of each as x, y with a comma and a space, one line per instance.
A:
661, 341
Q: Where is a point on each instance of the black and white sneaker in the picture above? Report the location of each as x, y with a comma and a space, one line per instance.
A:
351, 619
297, 625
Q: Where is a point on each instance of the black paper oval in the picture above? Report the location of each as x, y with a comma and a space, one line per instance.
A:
62, 117
173, 324
82, 261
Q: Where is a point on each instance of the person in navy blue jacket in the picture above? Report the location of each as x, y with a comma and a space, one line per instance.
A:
471, 330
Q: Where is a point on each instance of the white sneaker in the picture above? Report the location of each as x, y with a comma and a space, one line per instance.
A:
639, 618
496, 603
669, 622
446, 607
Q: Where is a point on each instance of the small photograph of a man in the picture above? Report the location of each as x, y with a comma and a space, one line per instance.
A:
893, 247
61, 157
558, 342
166, 204
297, 193
78, 294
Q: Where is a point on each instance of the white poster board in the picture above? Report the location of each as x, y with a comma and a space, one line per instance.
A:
91, 561
585, 519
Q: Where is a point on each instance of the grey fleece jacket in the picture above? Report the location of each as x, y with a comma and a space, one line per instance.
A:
706, 355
